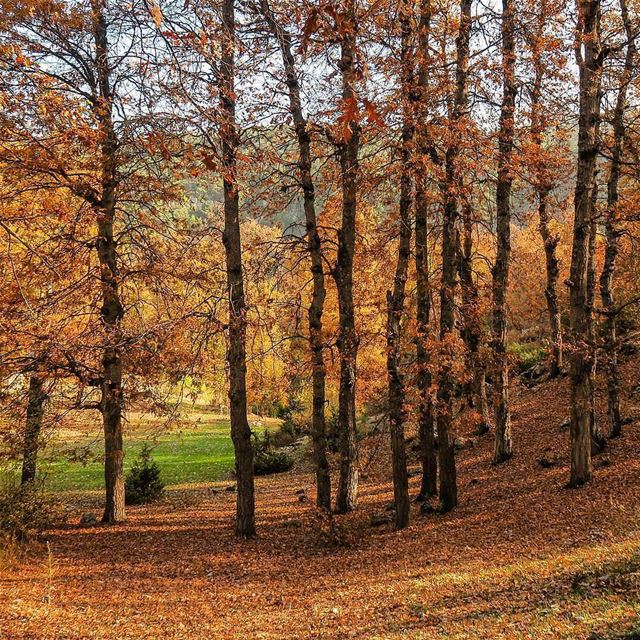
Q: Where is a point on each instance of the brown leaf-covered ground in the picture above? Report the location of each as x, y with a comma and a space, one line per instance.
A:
521, 557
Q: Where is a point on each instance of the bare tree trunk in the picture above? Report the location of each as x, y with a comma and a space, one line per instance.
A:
236, 351
348, 149
395, 298
112, 311
589, 58
543, 188
612, 234
503, 444
316, 308
426, 422
33, 427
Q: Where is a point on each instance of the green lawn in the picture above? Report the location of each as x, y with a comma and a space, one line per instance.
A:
200, 451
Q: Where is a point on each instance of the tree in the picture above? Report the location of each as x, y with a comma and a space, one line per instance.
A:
503, 445
613, 230
543, 182
314, 247
428, 454
236, 352
589, 59
446, 455
395, 297
348, 146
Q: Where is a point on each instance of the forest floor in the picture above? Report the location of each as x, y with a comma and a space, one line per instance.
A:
522, 557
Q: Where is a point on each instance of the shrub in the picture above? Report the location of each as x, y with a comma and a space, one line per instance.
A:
266, 458
143, 483
26, 510
526, 355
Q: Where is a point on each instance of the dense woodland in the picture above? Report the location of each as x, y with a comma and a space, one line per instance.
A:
357, 208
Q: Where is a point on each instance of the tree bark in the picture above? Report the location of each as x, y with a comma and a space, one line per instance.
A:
314, 247
112, 311
426, 422
589, 59
612, 235
236, 350
396, 297
503, 449
33, 427
348, 149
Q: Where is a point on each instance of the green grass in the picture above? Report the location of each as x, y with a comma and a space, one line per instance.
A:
200, 451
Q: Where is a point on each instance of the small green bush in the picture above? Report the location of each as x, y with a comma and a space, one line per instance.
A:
26, 510
526, 355
143, 484
266, 458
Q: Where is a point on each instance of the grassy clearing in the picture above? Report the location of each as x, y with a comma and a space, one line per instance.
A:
200, 450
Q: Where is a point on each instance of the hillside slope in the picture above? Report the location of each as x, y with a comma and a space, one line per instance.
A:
521, 557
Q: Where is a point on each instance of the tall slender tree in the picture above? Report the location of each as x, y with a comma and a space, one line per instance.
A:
236, 351
314, 247
613, 230
446, 455
503, 449
426, 420
396, 296
543, 187
589, 58
348, 146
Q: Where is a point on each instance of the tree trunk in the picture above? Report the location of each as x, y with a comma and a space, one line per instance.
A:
112, 311
612, 234
472, 329
444, 422
395, 298
550, 242
426, 423
33, 427
589, 59
503, 449
543, 188
314, 246
348, 149
598, 441
236, 350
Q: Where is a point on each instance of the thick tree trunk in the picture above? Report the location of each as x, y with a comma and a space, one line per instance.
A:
314, 246
426, 422
612, 234
503, 449
395, 297
236, 350
112, 311
348, 149
589, 58
33, 427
